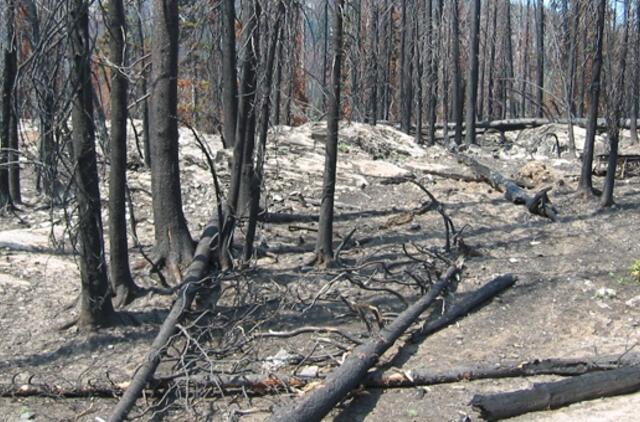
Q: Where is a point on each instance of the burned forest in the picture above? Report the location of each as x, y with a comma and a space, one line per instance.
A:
306, 210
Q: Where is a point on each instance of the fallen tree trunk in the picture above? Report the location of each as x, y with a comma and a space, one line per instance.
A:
197, 271
507, 125
317, 403
263, 384
552, 395
468, 304
539, 204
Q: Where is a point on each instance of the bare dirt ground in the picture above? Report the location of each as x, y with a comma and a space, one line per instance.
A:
574, 296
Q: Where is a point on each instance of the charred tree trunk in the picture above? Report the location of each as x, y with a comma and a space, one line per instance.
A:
257, 179
472, 80
539, 204
95, 296
372, 109
569, 58
324, 248
509, 102
146, 135
325, 54
458, 96
552, 395
586, 183
492, 62
635, 96
174, 246
229, 73
615, 104
246, 124
354, 58
13, 155
8, 80
278, 84
242, 169
540, 58
525, 62
420, 60
406, 62
124, 288
433, 24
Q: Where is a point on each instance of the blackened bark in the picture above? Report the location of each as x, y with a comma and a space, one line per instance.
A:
509, 103
492, 59
615, 104
356, 113
8, 79
552, 395
124, 288
325, 54
277, 88
405, 70
324, 249
372, 109
257, 179
569, 58
433, 27
635, 96
229, 73
420, 62
472, 80
458, 94
174, 246
143, 87
247, 119
95, 297
14, 152
586, 183
242, 169
540, 58
525, 63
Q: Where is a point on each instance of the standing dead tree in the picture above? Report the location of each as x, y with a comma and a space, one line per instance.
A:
614, 99
540, 58
96, 308
635, 83
8, 117
586, 181
174, 246
124, 288
472, 79
324, 247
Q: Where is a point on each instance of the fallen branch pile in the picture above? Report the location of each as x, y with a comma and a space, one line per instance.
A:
349, 375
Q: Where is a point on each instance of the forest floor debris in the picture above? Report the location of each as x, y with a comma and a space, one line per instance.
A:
553, 311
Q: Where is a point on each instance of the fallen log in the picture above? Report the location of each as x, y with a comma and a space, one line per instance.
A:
539, 204
552, 395
317, 403
193, 282
263, 384
507, 125
466, 305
